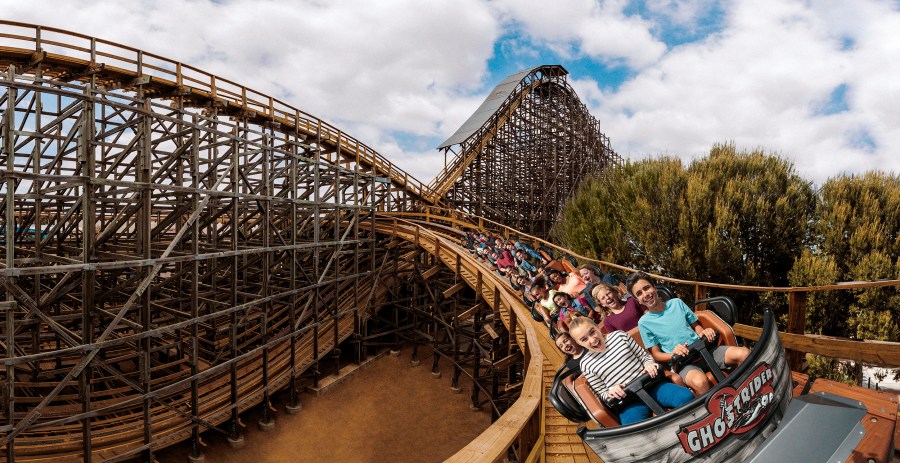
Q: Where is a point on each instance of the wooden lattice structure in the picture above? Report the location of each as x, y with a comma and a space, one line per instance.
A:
176, 247
520, 156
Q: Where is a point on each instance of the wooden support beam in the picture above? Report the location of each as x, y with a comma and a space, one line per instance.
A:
886, 354
490, 331
508, 361
455, 289
471, 311
92, 68
796, 325
700, 292
131, 83
35, 59
171, 92
431, 272
513, 386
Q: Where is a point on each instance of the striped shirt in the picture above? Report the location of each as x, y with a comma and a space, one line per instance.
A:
621, 362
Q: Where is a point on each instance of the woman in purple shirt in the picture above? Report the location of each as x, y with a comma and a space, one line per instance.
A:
619, 316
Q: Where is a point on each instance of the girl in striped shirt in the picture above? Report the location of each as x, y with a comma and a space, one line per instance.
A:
611, 363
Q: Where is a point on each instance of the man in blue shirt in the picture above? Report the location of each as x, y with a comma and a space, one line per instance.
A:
669, 327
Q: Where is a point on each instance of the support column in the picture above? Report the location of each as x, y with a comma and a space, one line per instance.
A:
196, 454
8, 309
796, 325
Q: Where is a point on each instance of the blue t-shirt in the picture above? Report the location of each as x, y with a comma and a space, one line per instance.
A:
668, 328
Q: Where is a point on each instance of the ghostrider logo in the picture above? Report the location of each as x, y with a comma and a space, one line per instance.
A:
731, 411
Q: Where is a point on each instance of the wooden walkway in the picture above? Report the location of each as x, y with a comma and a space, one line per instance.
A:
562, 445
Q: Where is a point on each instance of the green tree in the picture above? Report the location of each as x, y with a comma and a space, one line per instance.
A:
812, 269
746, 216
857, 232
628, 213
735, 217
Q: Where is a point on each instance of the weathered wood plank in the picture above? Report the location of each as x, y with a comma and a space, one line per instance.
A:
881, 353
471, 311
432, 272
449, 292
878, 403
801, 380
507, 361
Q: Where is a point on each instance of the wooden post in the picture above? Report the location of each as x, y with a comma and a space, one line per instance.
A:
8, 308
9, 222
700, 292
796, 325
513, 327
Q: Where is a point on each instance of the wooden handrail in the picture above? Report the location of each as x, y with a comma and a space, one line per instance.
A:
479, 224
881, 353
493, 444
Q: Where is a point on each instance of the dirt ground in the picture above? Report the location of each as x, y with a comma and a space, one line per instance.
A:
388, 412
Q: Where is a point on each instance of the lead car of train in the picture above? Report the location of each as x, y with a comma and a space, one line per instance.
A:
750, 415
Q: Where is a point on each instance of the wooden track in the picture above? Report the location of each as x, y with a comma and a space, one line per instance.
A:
561, 444
117, 431
126, 67
495, 171
557, 443
181, 248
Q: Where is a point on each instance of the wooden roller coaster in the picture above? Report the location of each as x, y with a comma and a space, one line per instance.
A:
178, 247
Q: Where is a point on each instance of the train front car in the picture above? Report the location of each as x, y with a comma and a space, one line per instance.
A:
727, 423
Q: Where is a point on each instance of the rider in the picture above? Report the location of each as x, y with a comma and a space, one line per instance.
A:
567, 307
669, 327
573, 351
611, 363
544, 298
617, 315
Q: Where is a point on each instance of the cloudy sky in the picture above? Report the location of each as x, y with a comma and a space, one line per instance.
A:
816, 81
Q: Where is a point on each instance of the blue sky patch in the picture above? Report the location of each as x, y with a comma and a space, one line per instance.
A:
709, 20
415, 143
513, 53
836, 103
847, 43
861, 139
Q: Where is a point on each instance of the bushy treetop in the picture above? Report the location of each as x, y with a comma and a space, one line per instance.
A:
747, 217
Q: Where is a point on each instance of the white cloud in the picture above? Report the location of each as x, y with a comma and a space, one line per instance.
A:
681, 12
600, 30
758, 83
393, 65
389, 70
